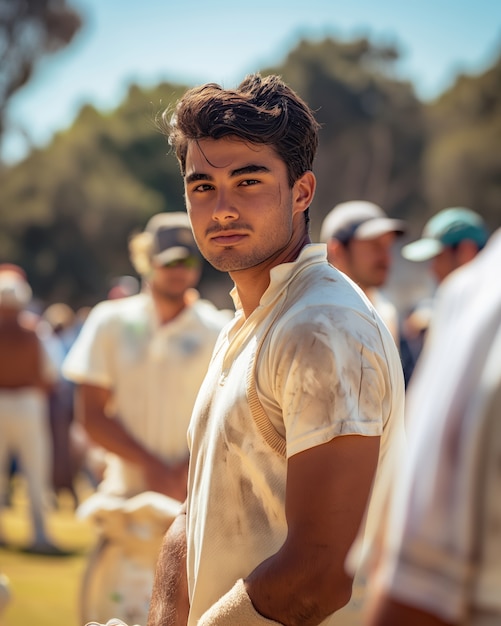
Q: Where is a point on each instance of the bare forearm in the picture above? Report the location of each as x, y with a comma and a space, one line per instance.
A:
159, 475
295, 588
268, 598
111, 435
91, 407
169, 603
305, 581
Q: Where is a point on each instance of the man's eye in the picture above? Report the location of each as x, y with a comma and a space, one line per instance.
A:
249, 181
203, 187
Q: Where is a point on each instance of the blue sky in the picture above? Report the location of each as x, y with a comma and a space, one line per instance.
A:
194, 41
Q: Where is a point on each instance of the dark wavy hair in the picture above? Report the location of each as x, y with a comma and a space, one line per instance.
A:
260, 110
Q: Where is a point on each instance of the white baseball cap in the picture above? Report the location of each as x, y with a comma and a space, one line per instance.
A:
358, 219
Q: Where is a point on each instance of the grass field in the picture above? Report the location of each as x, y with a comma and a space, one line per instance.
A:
44, 589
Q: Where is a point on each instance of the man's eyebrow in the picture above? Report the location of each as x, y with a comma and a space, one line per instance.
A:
250, 169
196, 176
246, 169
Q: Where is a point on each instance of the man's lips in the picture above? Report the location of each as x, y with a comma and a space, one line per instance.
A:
227, 239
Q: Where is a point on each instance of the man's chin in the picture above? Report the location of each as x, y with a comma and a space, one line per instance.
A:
225, 263
227, 267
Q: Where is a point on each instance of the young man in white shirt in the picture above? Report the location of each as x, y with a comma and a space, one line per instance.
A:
303, 401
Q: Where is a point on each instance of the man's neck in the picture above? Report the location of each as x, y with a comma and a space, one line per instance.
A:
251, 283
168, 309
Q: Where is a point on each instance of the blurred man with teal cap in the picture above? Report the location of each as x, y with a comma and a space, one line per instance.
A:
450, 239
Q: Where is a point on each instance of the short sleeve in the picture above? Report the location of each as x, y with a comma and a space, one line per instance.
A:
88, 360
328, 377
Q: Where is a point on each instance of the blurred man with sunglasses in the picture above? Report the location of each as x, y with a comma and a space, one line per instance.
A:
138, 363
140, 360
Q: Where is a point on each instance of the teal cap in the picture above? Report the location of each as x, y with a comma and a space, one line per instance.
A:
447, 228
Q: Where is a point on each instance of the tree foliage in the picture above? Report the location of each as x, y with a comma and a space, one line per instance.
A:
30, 29
462, 161
67, 211
372, 133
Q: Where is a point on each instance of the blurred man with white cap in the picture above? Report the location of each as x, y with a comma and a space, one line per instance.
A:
450, 239
359, 237
140, 361
26, 377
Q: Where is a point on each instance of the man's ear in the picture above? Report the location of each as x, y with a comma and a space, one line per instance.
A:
304, 191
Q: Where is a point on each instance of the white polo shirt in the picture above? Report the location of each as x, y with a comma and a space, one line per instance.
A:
153, 370
327, 367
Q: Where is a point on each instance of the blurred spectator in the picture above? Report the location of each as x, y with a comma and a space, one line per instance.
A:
439, 559
412, 335
359, 237
450, 239
138, 363
62, 321
27, 376
57, 329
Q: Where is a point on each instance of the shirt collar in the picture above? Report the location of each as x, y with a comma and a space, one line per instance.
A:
281, 275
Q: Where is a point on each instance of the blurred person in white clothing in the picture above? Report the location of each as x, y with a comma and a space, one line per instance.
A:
438, 561
27, 376
138, 363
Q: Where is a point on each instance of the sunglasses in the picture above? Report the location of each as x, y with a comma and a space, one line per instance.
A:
190, 262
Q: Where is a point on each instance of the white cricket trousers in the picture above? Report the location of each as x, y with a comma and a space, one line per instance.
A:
25, 435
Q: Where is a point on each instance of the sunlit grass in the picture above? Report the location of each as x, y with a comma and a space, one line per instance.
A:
45, 589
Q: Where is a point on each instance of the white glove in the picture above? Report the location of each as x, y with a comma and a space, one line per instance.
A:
234, 608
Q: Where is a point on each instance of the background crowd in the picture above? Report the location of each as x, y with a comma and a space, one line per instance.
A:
361, 241
107, 308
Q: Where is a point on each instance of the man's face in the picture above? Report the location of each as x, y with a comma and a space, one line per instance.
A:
368, 261
444, 263
239, 202
171, 282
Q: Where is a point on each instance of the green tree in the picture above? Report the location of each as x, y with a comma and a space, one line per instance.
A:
66, 212
462, 161
373, 125
30, 29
